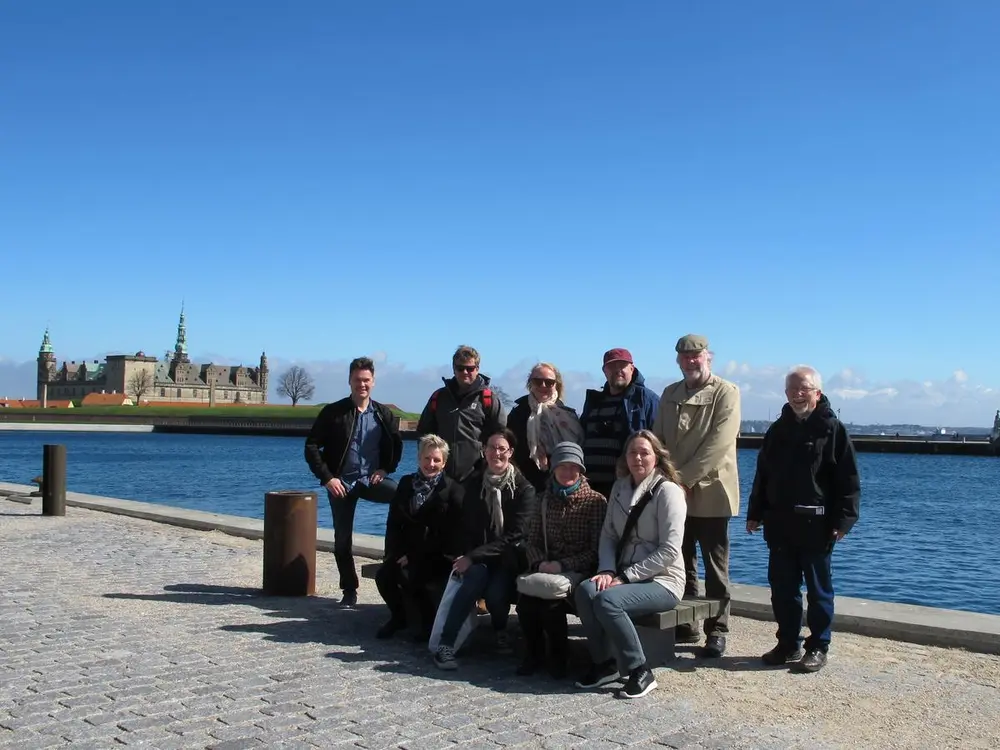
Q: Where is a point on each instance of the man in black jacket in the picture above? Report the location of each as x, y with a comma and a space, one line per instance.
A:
464, 412
806, 494
352, 447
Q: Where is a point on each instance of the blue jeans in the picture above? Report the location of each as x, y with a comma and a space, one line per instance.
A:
495, 585
606, 621
343, 509
786, 567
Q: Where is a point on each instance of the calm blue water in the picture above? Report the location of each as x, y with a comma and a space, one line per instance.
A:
927, 535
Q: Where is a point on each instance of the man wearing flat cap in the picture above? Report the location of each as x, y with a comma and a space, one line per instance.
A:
623, 406
698, 421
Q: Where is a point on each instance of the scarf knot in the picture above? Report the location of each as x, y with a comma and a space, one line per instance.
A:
422, 488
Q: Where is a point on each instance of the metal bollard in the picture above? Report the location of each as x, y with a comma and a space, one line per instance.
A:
54, 480
290, 543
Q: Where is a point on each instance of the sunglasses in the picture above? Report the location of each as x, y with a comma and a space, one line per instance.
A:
466, 368
547, 382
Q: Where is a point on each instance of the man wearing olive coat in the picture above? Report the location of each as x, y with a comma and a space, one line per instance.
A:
698, 421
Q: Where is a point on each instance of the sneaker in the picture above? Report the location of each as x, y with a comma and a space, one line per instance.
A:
598, 675
686, 634
640, 681
502, 645
715, 646
813, 661
782, 654
389, 629
444, 658
350, 599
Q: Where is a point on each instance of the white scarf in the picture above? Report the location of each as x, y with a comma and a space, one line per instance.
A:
549, 423
493, 487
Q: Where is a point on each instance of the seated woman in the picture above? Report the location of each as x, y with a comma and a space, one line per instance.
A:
539, 421
641, 570
498, 503
420, 542
566, 543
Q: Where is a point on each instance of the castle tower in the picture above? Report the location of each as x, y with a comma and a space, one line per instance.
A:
180, 346
263, 375
46, 368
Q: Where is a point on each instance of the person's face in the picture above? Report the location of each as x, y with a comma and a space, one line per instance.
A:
641, 459
543, 383
801, 394
361, 382
498, 454
567, 474
619, 374
432, 462
466, 372
694, 366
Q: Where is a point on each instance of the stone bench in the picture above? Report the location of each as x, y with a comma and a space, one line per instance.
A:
656, 631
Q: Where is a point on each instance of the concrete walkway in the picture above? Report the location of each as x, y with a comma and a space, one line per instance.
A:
118, 630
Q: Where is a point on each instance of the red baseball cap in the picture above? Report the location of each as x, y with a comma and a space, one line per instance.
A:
618, 355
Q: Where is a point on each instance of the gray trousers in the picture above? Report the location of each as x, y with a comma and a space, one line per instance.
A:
712, 535
606, 622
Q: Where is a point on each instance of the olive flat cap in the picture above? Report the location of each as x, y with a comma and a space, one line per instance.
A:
691, 344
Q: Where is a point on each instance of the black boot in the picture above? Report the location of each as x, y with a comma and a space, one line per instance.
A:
530, 619
558, 632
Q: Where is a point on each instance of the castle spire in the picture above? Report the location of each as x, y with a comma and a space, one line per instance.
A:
180, 347
46, 347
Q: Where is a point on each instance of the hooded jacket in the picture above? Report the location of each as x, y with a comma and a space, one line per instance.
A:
461, 420
808, 462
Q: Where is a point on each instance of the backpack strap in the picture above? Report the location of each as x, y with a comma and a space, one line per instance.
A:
434, 400
487, 396
633, 518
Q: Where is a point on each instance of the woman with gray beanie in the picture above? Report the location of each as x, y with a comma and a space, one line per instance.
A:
561, 538
641, 570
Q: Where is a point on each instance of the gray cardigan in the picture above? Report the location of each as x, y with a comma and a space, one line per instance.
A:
654, 550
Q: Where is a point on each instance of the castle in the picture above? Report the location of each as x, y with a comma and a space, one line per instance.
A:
149, 380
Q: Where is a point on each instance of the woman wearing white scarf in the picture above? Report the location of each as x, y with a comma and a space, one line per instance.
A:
540, 421
499, 502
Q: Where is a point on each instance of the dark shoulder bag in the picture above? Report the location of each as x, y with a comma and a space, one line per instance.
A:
633, 519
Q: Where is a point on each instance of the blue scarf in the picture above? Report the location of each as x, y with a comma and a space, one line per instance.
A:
563, 492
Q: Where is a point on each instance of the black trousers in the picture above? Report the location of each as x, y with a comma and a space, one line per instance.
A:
540, 618
411, 594
343, 509
712, 535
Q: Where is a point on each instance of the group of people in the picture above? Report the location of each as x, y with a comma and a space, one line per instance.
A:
601, 514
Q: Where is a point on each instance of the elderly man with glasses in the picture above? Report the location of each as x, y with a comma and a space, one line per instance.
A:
464, 412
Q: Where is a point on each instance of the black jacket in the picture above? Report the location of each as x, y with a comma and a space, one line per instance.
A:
483, 542
517, 422
430, 537
807, 462
462, 420
330, 437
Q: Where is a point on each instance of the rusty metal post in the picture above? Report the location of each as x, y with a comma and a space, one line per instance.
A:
290, 543
54, 480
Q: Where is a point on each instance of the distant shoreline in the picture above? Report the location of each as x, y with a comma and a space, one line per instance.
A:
299, 427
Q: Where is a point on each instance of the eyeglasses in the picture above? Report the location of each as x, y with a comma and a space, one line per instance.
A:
547, 382
500, 451
801, 389
466, 368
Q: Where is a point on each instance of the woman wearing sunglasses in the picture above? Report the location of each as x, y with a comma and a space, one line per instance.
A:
540, 421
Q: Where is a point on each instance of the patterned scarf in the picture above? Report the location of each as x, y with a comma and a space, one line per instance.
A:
492, 494
422, 489
550, 423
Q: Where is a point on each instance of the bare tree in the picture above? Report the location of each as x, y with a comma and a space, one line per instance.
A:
139, 384
297, 384
506, 400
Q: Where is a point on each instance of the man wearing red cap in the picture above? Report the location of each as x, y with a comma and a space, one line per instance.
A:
623, 406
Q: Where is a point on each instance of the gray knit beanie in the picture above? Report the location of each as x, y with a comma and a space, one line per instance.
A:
567, 453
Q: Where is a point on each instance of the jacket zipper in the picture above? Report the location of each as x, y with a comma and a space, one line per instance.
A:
347, 445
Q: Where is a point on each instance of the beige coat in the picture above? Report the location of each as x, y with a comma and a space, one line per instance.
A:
700, 432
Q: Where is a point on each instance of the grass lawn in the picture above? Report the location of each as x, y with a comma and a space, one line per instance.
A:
234, 412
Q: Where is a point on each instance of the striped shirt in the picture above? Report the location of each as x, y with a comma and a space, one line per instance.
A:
605, 433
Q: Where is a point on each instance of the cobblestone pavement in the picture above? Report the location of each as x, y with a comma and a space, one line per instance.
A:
115, 631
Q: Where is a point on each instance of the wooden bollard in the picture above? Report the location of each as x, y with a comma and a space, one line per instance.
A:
54, 480
290, 543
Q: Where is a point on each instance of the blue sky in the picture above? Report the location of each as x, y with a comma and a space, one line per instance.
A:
541, 180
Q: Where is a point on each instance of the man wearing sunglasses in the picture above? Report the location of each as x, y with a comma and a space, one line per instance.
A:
463, 413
